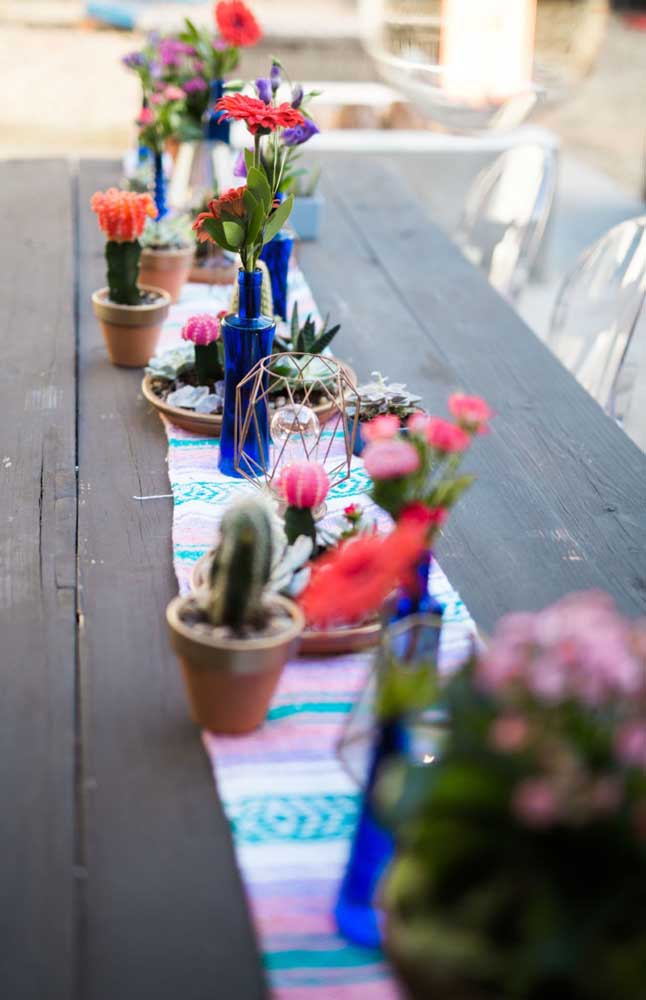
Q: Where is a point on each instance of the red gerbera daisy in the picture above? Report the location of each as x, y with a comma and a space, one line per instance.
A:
236, 23
351, 583
232, 201
257, 114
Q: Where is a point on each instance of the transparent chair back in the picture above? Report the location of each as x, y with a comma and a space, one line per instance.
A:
598, 327
505, 215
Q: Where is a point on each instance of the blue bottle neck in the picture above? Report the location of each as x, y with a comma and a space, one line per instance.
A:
216, 91
250, 291
160, 187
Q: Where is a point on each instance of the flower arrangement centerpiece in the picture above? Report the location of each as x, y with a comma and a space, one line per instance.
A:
522, 847
243, 220
131, 316
279, 161
197, 61
415, 474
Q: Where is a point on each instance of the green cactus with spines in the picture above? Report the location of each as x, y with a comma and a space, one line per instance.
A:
241, 568
123, 271
299, 521
266, 297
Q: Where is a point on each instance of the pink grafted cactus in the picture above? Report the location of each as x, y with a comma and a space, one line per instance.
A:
202, 330
304, 486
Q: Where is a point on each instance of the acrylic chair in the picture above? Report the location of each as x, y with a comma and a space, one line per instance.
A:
598, 327
506, 211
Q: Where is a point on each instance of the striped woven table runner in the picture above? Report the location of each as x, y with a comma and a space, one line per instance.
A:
291, 805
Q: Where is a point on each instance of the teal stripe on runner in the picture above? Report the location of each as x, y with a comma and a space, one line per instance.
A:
309, 707
337, 958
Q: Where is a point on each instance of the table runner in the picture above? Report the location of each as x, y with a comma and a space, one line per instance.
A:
291, 805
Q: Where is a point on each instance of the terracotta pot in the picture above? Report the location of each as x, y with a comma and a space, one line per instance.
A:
131, 332
230, 682
167, 269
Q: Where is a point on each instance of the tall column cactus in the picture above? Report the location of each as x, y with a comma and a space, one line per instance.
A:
241, 568
122, 216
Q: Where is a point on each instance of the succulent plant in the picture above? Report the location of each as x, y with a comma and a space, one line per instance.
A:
266, 298
172, 363
303, 338
379, 397
290, 573
304, 486
241, 568
170, 233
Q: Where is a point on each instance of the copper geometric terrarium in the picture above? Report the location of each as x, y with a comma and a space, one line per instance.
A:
312, 408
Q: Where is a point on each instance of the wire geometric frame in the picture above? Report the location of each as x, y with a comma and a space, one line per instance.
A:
314, 377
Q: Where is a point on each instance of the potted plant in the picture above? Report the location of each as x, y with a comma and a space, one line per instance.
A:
522, 847
378, 398
167, 254
308, 204
233, 641
131, 316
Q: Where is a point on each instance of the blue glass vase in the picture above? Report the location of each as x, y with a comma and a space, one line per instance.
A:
160, 187
247, 338
276, 254
355, 913
215, 128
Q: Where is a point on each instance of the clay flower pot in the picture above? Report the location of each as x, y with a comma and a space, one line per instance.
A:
230, 681
131, 332
167, 269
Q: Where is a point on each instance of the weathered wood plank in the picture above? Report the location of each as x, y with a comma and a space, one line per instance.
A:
37, 582
559, 503
164, 913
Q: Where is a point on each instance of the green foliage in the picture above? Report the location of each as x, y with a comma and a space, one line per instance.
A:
305, 339
241, 568
123, 272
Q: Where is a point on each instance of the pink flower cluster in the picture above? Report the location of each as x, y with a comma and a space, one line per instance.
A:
577, 649
304, 484
201, 330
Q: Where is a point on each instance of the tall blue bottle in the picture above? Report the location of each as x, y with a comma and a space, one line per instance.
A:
276, 254
248, 336
160, 187
356, 912
215, 128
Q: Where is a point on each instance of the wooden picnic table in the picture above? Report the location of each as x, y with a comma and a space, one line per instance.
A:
118, 878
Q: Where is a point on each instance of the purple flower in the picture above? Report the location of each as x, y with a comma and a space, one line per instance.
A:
240, 165
194, 85
297, 96
133, 59
263, 89
172, 51
275, 77
300, 133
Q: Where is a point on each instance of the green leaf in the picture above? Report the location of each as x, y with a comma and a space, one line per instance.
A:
258, 184
294, 326
278, 219
325, 339
248, 158
234, 233
234, 86
216, 231
255, 223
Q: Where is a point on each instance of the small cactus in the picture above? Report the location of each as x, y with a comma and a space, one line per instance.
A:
204, 332
304, 486
122, 216
304, 338
266, 298
241, 568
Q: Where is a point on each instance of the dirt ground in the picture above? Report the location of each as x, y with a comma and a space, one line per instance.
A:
66, 92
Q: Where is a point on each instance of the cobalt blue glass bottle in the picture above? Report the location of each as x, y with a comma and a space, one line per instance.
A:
357, 917
276, 255
248, 336
160, 187
143, 153
216, 129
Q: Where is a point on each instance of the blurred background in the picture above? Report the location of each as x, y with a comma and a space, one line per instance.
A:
67, 93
